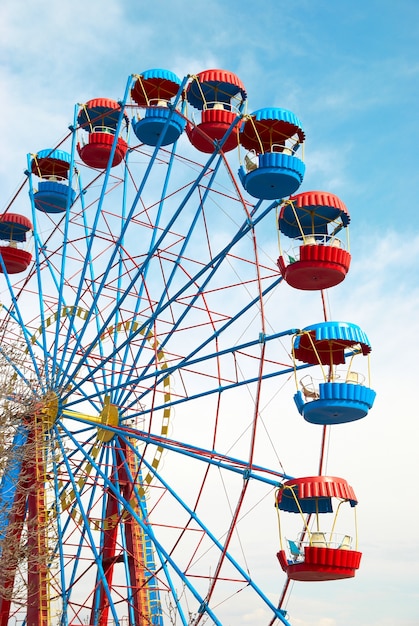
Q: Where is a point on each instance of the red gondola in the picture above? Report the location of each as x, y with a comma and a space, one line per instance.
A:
320, 554
220, 96
14, 229
317, 258
99, 118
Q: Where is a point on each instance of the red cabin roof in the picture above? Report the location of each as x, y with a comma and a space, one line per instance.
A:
214, 85
301, 493
14, 226
99, 112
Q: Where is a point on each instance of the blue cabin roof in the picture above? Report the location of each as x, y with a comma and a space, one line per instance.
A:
164, 75
327, 342
276, 114
57, 155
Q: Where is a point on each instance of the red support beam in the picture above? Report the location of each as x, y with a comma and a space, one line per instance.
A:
38, 587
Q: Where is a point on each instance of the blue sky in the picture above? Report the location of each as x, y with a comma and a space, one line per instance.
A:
350, 71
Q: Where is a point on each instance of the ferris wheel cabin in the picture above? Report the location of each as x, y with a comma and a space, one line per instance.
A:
319, 553
219, 96
271, 170
14, 231
161, 124
100, 119
339, 394
54, 193
317, 257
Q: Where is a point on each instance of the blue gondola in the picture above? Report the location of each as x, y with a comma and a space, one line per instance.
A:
54, 192
341, 395
272, 169
154, 91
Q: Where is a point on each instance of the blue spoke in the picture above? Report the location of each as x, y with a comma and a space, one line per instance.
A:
146, 292
217, 543
152, 244
103, 283
212, 266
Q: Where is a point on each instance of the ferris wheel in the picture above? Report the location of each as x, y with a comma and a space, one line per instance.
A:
137, 358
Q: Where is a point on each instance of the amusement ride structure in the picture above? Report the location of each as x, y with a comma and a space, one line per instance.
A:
137, 361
